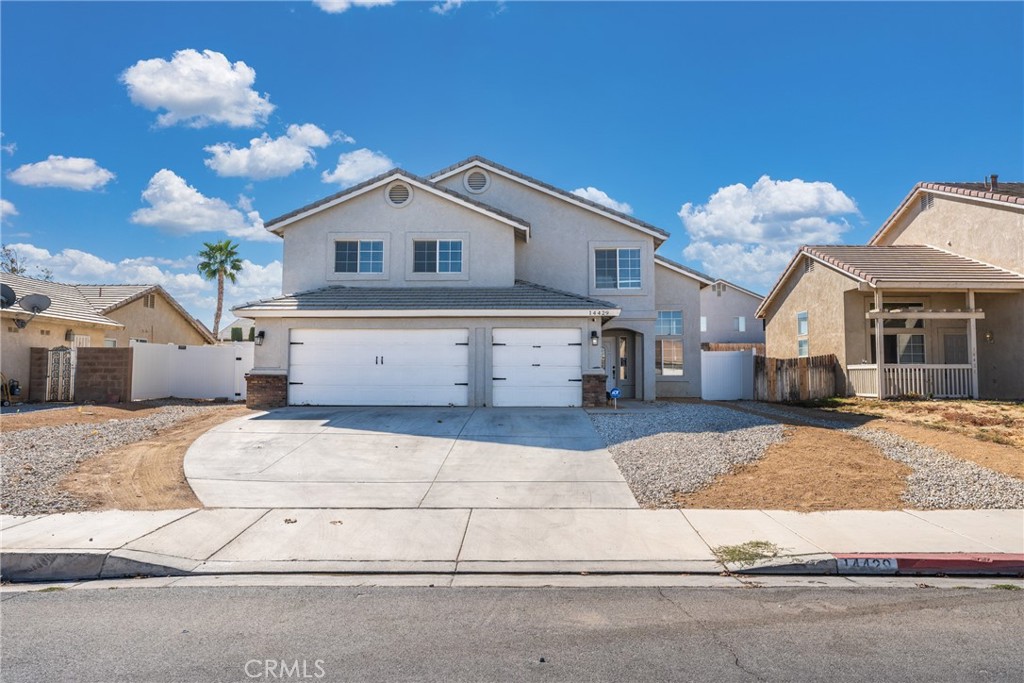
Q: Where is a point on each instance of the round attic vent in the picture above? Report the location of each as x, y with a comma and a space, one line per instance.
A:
476, 181
398, 194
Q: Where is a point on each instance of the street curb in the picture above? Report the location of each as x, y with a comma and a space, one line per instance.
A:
77, 565
930, 564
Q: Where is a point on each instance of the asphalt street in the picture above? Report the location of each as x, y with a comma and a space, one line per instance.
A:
486, 634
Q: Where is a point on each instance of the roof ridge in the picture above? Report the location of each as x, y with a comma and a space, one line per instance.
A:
476, 158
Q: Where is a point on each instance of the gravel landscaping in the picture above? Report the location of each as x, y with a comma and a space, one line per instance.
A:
681, 447
34, 461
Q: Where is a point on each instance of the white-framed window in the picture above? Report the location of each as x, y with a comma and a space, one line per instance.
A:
802, 342
668, 344
359, 256
668, 357
703, 323
903, 341
617, 268
739, 324
110, 343
669, 323
437, 256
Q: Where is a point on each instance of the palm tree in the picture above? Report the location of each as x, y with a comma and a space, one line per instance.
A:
219, 260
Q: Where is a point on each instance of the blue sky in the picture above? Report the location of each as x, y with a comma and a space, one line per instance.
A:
742, 129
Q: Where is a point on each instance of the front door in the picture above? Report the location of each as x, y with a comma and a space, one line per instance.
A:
617, 355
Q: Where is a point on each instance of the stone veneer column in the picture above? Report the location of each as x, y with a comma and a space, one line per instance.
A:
266, 391
595, 392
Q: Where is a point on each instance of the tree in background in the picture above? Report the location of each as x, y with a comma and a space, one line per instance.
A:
219, 261
12, 262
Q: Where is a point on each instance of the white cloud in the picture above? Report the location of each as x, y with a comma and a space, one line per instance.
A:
267, 157
445, 7
10, 147
198, 89
339, 6
73, 173
177, 276
181, 209
7, 210
749, 234
596, 195
355, 167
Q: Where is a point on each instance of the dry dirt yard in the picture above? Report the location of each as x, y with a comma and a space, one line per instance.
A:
97, 457
842, 459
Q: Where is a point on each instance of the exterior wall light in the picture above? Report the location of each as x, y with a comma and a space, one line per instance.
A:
989, 337
259, 338
593, 338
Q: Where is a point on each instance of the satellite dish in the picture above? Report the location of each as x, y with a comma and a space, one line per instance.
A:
7, 296
35, 303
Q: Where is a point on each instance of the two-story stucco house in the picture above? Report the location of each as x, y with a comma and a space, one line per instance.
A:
477, 286
728, 315
932, 306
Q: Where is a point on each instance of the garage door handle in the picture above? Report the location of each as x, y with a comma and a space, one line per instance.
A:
536, 365
294, 382
462, 384
495, 379
576, 380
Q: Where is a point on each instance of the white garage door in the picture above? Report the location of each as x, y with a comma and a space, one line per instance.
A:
537, 367
379, 367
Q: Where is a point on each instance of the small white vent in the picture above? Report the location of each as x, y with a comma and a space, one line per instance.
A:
399, 194
927, 201
719, 288
476, 181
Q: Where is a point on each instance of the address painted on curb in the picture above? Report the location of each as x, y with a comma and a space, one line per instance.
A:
867, 565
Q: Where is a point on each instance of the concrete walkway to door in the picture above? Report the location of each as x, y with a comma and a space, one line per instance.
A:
407, 458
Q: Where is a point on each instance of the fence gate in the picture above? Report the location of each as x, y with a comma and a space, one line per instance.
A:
60, 374
726, 375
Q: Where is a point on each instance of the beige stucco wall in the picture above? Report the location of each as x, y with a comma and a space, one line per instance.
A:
559, 255
162, 324
719, 308
41, 332
988, 232
675, 292
272, 355
1001, 361
488, 245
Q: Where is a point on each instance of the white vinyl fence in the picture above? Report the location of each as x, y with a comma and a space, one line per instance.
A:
727, 375
166, 370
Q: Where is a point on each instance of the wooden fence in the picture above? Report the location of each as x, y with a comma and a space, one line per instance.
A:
756, 347
794, 379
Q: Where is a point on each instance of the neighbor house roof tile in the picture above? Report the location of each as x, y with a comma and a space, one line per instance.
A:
910, 264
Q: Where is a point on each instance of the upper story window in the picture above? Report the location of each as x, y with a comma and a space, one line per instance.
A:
437, 256
739, 324
669, 323
617, 269
359, 256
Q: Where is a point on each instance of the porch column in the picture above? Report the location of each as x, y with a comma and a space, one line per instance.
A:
879, 347
972, 344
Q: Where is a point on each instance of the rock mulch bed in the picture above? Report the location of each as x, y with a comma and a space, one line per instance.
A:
681, 447
34, 461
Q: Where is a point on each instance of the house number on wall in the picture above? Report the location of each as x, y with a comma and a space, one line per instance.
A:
600, 312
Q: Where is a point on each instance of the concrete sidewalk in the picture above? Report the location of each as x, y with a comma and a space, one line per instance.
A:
219, 541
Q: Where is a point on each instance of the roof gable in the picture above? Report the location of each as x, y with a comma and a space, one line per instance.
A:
109, 298
1008, 195
277, 225
625, 219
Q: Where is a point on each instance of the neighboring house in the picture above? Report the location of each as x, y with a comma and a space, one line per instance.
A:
477, 286
727, 315
91, 315
937, 295
243, 327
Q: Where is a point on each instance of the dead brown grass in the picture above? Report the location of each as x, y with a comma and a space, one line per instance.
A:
146, 475
811, 469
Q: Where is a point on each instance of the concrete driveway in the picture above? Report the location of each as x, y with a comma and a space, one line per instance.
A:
407, 458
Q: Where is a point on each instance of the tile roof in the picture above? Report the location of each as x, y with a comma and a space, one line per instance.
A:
522, 296
557, 190
66, 302
703, 277
908, 264
355, 189
91, 303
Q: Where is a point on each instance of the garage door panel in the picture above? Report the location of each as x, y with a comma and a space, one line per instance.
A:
536, 367
379, 367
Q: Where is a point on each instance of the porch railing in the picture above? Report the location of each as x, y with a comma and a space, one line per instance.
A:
937, 381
